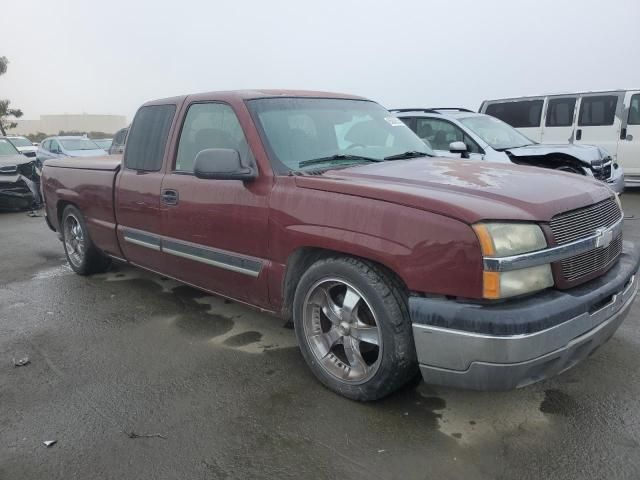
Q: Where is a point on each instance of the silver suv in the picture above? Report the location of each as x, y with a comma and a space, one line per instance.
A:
458, 132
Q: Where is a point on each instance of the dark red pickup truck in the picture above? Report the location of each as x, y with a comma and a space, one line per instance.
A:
326, 209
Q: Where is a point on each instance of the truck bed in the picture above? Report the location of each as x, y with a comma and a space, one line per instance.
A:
87, 183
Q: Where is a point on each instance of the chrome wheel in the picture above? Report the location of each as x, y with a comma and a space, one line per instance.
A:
342, 331
74, 242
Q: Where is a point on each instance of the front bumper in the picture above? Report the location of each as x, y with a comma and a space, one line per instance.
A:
519, 342
616, 182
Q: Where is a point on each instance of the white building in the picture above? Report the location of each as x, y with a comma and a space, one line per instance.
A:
53, 124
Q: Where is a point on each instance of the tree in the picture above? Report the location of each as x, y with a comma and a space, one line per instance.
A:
7, 114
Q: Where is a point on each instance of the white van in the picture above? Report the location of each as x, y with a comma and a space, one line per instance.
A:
609, 119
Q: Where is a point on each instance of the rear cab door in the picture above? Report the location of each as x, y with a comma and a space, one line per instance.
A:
599, 122
629, 143
216, 231
137, 198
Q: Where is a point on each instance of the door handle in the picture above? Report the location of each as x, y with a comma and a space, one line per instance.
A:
169, 197
579, 134
623, 134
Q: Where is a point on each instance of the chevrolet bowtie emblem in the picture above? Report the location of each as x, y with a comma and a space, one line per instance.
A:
603, 237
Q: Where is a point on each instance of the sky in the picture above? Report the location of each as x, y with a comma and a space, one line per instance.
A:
68, 56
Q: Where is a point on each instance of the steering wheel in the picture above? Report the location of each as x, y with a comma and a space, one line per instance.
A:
355, 145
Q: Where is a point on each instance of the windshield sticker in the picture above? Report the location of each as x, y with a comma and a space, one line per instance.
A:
394, 121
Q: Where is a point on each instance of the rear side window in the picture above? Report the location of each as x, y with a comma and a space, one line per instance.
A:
148, 137
560, 112
597, 111
523, 114
209, 125
634, 111
440, 133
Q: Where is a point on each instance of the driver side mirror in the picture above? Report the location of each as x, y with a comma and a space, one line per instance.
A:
459, 147
222, 164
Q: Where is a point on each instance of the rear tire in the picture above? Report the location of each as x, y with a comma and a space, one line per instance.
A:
353, 328
81, 253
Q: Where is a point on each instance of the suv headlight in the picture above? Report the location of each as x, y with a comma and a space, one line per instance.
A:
502, 239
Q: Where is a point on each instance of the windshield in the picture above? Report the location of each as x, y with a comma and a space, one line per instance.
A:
103, 143
21, 142
495, 132
300, 130
79, 144
6, 148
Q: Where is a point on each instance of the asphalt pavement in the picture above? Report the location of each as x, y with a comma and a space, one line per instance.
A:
137, 377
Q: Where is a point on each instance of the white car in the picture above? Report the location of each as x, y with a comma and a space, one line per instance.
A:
24, 145
458, 132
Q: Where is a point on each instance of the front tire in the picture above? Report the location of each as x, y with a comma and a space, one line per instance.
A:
353, 328
81, 253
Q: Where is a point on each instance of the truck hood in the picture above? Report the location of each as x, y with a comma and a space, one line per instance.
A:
469, 191
587, 154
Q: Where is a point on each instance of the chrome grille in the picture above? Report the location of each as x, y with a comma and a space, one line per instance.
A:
588, 262
583, 222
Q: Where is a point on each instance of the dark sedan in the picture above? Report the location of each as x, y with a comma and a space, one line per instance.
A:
19, 179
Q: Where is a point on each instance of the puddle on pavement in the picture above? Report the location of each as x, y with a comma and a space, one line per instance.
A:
557, 402
215, 319
53, 272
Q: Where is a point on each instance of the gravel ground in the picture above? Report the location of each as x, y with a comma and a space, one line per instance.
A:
217, 391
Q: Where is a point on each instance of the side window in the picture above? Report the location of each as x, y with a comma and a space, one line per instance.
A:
522, 114
634, 110
148, 137
211, 125
440, 133
46, 145
597, 111
560, 112
55, 146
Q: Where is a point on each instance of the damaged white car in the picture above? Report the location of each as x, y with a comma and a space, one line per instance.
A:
19, 179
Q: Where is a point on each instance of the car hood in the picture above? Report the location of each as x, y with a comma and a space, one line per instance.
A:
27, 149
585, 153
13, 160
86, 153
469, 191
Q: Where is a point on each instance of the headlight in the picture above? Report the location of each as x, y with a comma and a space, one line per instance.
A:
501, 239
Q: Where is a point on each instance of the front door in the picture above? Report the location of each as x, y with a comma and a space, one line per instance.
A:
599, 121
439, 134
559, 120
629, 144
215, 231
139, 183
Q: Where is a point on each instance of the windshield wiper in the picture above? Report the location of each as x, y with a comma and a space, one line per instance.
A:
409, 154
333, 158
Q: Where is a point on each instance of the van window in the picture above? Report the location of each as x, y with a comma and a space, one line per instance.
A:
523, 114
209, 125
560, 112
597, 111
148, 137
634, 111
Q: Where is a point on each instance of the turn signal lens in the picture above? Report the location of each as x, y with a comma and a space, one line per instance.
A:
491, 285
486, 242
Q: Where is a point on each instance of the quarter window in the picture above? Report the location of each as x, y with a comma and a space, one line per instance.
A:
522, 114
148, 137
634, 111
560, 112
597, 111
212, 125
440, 133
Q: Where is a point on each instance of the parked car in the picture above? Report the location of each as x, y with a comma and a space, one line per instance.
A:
19, 179
327, 209
119, 140
24, 145
458, 132
608, 119
69, 146
103, 143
